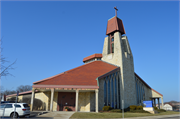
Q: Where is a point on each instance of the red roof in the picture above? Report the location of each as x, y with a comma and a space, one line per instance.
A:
115, 24
22, 93
82, 75
92, 57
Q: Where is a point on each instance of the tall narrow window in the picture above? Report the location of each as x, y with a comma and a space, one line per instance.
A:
108, 92
115, 86
112, 92
111, 43
137, 95
105, 94
143, 94
112, 46
119, 93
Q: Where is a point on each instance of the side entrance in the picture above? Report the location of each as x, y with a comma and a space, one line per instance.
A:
66, 99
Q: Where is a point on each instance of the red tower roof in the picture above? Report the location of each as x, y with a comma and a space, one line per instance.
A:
92, 57
115, 24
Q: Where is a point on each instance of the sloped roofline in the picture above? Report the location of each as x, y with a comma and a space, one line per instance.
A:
142, 81
48, 78
70, 70
59, 74
26, 92
107, 74
147, 84
156, 92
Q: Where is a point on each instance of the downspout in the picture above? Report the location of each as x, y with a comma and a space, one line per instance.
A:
97, 80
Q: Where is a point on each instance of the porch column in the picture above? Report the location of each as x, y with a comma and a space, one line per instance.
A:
158, 103
52, 98
162, 102
155, 102
77, 94
32, 99
96, 91
152, 101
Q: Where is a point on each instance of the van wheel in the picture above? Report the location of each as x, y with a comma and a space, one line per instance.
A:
15, 115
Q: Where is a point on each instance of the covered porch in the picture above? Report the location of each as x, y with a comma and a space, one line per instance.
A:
76, 98
156, 102
156, 97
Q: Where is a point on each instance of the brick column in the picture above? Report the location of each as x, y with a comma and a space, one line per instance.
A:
32, 99
52, 98
77, 94
96, 91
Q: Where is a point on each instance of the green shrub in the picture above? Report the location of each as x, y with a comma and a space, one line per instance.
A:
116, 110
132, 107
106, 108
139, 108
161, 110
67, 108
155, 108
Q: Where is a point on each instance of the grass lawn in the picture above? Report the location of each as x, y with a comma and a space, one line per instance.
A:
116, 115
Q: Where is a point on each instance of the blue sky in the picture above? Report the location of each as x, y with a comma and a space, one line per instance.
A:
48, 38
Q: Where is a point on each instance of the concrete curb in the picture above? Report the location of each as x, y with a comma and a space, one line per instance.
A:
154, 117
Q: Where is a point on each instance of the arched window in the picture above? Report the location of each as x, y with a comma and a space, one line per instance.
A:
105, 93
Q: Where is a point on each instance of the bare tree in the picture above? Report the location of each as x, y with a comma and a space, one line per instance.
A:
5, 68
8, 92
23, 88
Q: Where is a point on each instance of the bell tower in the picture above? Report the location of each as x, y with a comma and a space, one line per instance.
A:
117, 51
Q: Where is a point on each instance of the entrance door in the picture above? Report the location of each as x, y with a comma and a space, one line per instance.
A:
66, 99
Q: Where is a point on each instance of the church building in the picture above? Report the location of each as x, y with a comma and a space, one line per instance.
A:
106, 79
